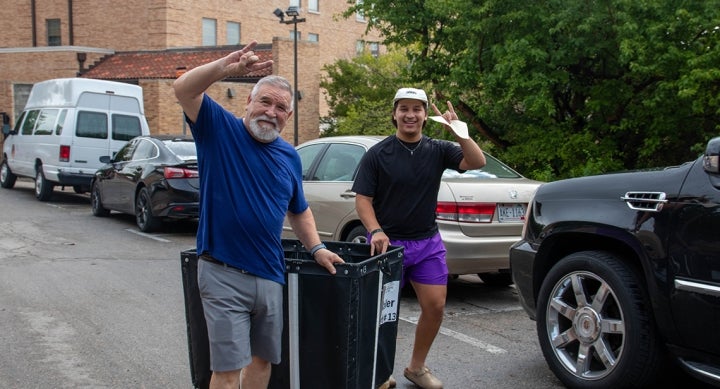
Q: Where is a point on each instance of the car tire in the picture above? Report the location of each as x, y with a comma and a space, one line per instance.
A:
96, 202
496, 279
7, 178
592, 311
143, 212
358, 234
43, 187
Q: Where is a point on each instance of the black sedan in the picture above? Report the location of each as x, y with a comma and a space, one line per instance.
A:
623, 270
153, 177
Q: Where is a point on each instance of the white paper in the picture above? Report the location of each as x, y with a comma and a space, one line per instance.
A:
390, 302
459, 128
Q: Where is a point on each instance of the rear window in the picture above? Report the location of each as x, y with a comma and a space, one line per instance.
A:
92, 125
125, 127
184, 150
492, 169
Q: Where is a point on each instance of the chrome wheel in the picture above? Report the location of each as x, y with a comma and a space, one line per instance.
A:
585, 325
595, 323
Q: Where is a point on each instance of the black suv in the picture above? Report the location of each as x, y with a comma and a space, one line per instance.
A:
622, 270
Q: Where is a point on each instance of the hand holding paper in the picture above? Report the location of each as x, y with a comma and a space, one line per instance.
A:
449, 118
459, 128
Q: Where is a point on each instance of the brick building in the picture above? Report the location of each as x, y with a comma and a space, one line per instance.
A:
149, 42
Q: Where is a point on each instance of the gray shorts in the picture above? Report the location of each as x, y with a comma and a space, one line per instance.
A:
244, 316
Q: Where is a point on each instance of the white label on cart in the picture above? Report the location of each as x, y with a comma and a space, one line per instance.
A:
390, 301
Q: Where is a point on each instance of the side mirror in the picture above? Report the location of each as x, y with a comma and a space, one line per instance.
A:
105, 159
6, 130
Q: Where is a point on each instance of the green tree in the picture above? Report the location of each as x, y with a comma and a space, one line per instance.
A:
565, 88
359, 91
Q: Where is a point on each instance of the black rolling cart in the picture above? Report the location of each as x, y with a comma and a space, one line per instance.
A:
339, 331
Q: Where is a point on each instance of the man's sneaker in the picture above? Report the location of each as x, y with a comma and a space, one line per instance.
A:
390, 383
423, 378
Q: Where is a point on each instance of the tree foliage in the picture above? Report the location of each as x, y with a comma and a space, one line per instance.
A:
557, 88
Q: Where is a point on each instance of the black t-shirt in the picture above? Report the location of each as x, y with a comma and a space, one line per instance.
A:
404, 185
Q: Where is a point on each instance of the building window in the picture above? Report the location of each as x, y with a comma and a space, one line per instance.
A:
374, 49
209, 34
233, 33
295, 3
359, 47
53, 32
313, 37
292, 35
313, 6
359, 15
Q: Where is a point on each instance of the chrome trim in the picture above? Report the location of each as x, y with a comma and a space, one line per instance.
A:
700, 370
697, 287
645, 201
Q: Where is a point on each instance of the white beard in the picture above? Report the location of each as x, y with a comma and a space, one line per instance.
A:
264, 133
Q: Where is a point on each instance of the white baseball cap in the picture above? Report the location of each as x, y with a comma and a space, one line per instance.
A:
410, 93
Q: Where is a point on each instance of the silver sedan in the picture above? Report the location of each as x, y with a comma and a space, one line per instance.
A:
479, 213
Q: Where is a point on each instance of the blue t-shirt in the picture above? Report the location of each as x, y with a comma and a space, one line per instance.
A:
246, 188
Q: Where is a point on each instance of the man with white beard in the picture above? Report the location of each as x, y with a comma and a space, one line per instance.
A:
250, 179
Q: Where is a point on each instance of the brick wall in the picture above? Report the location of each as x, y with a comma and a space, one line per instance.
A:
164, 114
100, 27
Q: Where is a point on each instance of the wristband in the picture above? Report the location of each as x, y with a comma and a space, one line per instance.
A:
375, 231
317, 248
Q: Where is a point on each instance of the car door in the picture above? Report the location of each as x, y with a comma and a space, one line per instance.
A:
694, 266
132, 172
328, 189
111, 181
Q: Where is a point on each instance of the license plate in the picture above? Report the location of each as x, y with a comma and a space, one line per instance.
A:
511, 213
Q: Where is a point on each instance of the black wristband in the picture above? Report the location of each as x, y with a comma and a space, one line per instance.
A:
375, 231
316, 248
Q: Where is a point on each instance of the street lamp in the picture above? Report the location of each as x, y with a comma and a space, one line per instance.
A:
293, 12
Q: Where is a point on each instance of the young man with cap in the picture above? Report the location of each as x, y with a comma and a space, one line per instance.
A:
397, 187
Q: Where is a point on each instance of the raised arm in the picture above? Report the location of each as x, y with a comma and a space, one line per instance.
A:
189, 87
473, 156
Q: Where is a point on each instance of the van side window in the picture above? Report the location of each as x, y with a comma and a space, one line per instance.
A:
60, 122
92, 125
46, 122
29, 124
125, 127
19, 121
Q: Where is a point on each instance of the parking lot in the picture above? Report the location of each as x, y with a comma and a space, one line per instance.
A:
94, 302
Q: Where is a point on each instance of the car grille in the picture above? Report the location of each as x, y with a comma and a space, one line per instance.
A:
645, 201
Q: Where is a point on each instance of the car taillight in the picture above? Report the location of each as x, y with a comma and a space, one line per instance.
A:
174, 172
466, 212
64, 153
526, 219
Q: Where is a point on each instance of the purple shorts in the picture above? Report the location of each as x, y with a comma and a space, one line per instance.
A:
424, 261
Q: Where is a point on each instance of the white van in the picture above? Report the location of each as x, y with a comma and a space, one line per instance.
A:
66, 126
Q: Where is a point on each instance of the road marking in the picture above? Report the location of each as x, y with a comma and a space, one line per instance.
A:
463, 338
149, 236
